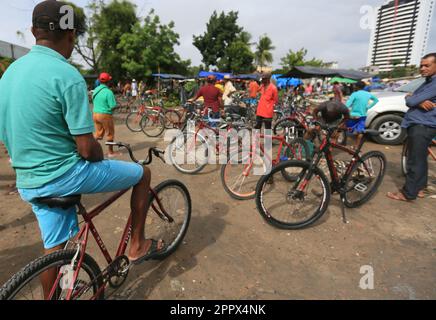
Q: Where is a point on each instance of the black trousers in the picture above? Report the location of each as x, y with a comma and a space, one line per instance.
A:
419, 139
260, 120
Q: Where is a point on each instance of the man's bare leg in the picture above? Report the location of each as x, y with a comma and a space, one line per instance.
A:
140, 205
48, 277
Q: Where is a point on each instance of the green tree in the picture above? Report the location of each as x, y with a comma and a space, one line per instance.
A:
149, 48
298, 58
111, 23
238, 58
4, 64
221, 31
87, 43
263, 53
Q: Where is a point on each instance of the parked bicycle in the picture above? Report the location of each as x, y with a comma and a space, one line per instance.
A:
238, 174
78, 274
300, 197
189, 151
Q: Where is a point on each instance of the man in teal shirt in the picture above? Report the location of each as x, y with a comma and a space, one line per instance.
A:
104, 102
359, 104
48, 134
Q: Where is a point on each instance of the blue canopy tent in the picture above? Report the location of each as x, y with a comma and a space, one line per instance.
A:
254, 76
284, 82
218, 75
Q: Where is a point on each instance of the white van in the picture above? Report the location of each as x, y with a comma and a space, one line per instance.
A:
387, 115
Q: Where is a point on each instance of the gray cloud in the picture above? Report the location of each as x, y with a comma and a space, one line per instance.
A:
329, 29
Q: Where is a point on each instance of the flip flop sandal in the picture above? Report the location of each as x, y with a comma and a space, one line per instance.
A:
153, 252
394, 196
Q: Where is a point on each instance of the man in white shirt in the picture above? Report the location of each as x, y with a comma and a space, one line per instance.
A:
229, 89
134, 88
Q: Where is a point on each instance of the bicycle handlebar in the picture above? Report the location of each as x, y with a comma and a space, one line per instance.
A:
151, 152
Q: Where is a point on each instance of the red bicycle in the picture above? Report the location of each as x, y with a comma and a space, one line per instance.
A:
190, 152
238, 174
78, 274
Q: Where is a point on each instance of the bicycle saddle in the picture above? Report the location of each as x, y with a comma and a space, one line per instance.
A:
64, 203
372, 133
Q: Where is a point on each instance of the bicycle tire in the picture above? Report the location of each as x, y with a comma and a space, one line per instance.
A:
404, 155
299, 151
361, 181
176, 146
225, 179
172, 239
265, 181
130, 120
33, 270
146, 123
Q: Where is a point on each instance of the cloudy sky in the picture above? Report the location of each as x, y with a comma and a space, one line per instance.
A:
329, 29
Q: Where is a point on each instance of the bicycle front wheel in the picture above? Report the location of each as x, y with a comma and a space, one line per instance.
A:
364, 179
238, 174
133, 121
172, 214
26, 284
189, 153
295, 204
153, 124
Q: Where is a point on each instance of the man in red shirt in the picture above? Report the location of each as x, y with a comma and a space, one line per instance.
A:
268, 99
212, 97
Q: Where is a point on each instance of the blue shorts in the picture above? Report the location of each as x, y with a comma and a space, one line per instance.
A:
57, 225
357, 125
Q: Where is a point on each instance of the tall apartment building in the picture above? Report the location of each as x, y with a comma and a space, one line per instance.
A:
401, 33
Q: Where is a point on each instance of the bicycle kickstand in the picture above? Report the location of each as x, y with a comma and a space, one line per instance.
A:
344, 218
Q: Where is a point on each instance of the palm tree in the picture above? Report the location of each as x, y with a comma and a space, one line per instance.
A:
263, 53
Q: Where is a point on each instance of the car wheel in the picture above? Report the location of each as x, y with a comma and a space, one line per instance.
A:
390, 129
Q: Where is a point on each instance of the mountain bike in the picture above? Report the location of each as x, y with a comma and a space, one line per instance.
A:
299, 198
78, 274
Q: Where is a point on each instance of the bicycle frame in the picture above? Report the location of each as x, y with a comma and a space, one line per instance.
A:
325, 149
82, 238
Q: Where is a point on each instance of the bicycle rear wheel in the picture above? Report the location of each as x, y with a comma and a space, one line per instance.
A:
364, 179
26, 284
176, 202
293, 204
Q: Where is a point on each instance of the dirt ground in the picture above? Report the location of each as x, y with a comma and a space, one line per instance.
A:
231, 253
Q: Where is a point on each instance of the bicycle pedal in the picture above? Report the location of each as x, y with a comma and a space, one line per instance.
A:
360, 187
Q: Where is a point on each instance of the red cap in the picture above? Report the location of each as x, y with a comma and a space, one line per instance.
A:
104, 77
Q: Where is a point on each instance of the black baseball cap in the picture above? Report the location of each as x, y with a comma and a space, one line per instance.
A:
47, 15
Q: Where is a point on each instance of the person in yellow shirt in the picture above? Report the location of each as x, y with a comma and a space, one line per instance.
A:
220, 86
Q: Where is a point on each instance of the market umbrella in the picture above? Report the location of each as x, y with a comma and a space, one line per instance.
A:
342, 80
